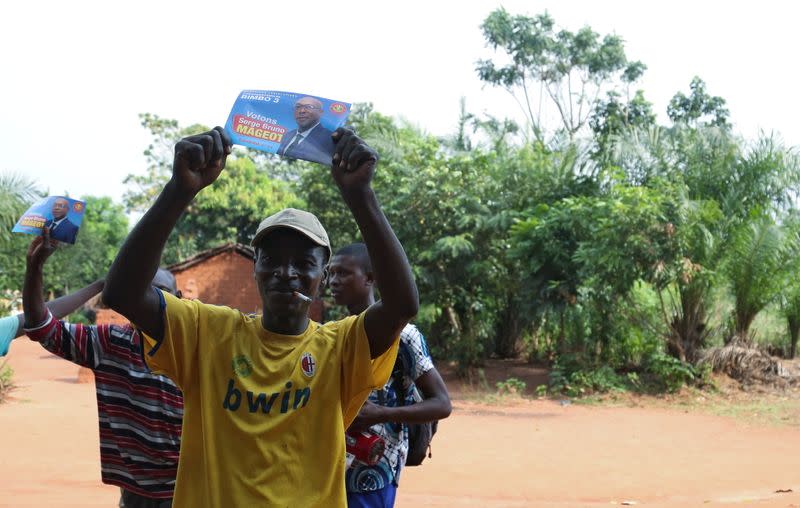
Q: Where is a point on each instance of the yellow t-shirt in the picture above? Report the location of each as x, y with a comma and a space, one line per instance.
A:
264, 413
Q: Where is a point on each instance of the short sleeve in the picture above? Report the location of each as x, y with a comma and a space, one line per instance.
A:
8, 331
421, 361
175, 355
360, 373
83, 345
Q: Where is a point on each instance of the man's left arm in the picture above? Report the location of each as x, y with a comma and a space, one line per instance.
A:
353, 168
435, 405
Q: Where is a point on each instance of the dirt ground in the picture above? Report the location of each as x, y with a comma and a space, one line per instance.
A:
490, 453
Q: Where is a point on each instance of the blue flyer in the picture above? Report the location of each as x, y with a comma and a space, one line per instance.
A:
293, 125
61, 215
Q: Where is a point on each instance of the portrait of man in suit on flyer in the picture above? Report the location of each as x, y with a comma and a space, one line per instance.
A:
310, 140
61, 228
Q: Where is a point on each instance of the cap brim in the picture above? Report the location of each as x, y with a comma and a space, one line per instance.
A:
314, 238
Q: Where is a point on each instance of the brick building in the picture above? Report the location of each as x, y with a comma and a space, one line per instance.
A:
220, 276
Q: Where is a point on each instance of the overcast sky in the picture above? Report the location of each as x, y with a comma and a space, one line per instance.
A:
76, 74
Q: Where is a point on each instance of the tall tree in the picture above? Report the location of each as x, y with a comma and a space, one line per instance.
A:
759, 254
699, 107
790, 307
16, 194
615, 115
566, 70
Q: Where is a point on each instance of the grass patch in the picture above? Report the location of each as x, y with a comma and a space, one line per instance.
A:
773, 412
722, 397
6, 380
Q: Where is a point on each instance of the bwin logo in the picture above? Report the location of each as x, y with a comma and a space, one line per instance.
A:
264, 401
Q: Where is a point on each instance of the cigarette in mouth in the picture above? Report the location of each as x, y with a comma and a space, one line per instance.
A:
301, 296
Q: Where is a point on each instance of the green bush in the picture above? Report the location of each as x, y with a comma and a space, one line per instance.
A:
511, 386
670, 372
659, 372
570, 378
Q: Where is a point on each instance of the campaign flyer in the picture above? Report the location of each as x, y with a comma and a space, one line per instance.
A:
293, 125
61, 215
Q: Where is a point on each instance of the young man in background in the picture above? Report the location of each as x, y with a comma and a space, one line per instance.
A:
415, 393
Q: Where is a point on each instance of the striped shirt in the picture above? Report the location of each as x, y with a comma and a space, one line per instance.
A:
140, 413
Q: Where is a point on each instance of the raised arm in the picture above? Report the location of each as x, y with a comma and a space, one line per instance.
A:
353, 167
198, 162
77, 343
33, 288
35, 309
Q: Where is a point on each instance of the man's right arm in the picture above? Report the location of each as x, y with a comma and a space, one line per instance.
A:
198, 162
128, 288
353, 168
76, 343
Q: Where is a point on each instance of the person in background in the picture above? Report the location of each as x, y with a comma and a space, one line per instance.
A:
414, 379
139, 413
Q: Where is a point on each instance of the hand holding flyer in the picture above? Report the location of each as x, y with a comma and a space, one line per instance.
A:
293, 125
60, 215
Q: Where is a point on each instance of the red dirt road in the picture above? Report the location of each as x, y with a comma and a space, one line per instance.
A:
532, 454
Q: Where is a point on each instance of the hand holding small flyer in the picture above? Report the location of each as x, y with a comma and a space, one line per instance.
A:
60, 215
293, 125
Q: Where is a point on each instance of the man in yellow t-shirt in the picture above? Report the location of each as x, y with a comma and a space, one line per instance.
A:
266, 397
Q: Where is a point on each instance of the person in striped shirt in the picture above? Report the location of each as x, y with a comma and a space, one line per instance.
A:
140, 413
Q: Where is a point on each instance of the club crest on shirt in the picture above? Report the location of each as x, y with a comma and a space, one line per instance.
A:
242, 366
308, 364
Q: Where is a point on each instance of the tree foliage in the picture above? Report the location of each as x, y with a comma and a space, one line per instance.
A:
759, 253
568, 70
16, 193
699, 107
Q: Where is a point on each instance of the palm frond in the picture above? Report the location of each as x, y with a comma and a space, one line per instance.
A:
16, 193
745, 363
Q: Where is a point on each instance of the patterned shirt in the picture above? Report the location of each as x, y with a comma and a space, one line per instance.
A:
140, 413
414, 360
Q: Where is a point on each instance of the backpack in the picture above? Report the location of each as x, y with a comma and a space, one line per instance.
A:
419, 434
